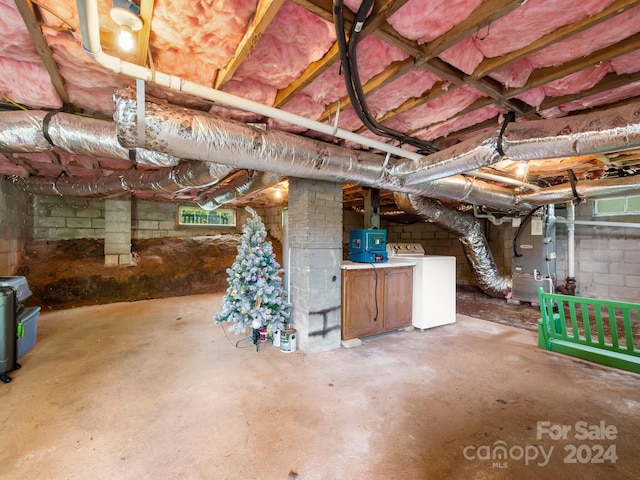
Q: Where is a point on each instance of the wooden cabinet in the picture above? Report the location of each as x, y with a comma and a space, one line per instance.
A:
375, 299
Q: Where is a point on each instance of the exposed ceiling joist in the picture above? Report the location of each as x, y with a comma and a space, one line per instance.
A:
25, 7
489, 65
265, 13
146, 13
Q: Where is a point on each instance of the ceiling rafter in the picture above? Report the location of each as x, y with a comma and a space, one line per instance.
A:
489, 65
542, 76
146, 13
488, 12
265, 13
609, 82
30, 17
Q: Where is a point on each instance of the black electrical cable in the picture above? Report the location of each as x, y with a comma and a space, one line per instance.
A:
352, 78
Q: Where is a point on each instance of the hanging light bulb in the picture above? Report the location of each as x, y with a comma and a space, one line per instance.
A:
127, 15
521, 170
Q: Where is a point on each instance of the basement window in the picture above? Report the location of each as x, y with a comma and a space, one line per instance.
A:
196, 216
608, 207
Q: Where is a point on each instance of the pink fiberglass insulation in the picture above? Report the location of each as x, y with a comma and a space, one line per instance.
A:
114, 163
425, 20
8, 167
570, 84
411, 85
28, 84
605, 98
629, 63
205, 33
294, 39
577, 82
42, 164
463, 55
458, 123
328, 87
437, 110
374, 56
514, 75
600, 36
89, 85
16, 41
532, 20
78, 161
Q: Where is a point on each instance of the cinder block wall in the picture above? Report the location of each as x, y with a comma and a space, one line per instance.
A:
63, 218
15, 225
272, 219
607, 259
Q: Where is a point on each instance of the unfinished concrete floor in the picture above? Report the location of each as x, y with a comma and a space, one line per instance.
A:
155, 390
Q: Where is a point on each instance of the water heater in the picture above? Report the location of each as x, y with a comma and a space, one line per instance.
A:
368, 246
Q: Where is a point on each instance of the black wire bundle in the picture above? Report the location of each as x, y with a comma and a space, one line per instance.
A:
352, 78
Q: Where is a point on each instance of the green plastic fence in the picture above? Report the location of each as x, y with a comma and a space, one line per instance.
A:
602, 331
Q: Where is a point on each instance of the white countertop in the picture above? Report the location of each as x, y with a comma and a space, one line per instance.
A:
349, 265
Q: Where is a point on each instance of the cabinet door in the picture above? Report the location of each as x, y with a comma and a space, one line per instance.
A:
398, 297
361, 303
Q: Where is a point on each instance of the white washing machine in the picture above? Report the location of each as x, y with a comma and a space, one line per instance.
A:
434, 284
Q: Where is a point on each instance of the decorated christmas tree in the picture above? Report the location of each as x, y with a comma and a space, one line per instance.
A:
255, 297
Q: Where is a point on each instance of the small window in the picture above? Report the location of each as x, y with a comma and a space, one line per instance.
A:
606, 207
196, 216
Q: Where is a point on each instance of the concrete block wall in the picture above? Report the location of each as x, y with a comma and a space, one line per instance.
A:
65, 218
16, 224
117, 231
160, 220
272, 219
62, 218
607, 259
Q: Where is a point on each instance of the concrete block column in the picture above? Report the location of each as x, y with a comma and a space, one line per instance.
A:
117, 231
315, 255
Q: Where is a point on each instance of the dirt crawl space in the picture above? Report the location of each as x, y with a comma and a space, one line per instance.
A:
71, 273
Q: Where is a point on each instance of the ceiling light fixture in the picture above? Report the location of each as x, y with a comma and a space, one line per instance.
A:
127, 15
521, 169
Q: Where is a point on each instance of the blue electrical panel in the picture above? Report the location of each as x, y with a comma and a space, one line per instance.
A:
368, 246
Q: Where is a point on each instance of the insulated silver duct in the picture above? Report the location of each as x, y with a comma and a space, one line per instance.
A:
40, 131
253, 183
596, 133
192, 134
184, 176
470, 235
592, 189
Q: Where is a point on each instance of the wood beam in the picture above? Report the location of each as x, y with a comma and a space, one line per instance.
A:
489, 65
25, 7
146, 13
265, 13
609, 82
313, 71
488, 12
543, 76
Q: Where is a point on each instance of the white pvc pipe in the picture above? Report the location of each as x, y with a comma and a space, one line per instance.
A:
507, 180
90, 27
595, 223
571, 239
